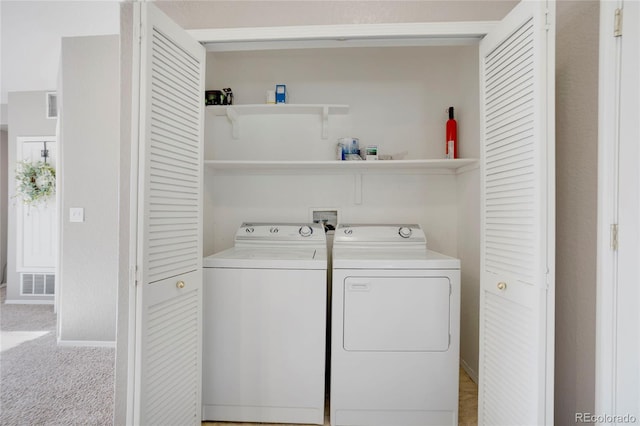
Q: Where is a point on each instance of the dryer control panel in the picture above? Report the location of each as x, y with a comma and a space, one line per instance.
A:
381, 235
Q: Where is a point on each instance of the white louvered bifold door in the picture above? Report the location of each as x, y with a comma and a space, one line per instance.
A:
517, 243
169, 250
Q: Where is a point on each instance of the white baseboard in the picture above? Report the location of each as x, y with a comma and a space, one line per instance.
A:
28, 302
470, 371
88, 343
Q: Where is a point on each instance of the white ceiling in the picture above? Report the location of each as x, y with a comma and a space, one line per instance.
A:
30, 38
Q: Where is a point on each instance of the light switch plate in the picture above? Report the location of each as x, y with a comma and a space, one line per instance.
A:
76, 214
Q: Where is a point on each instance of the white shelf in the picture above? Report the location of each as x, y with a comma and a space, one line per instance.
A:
450, 166
255, 109
232, 112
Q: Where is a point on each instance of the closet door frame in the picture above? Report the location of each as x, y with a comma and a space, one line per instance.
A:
618, 233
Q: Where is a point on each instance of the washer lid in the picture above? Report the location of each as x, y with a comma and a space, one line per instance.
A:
269, 258
379, 258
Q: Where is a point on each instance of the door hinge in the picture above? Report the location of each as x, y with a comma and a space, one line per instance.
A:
133, 275
614, 236
617, 23
547, 279
547, 24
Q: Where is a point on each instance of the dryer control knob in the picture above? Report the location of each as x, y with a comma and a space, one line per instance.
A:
348, 231
274, 230
405, 232
305, 231
249, 230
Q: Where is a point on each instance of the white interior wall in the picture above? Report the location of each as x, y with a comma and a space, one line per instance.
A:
468, 228
4, 202
386, 198
397, 98
122, 366
36, 27
27, 117
89, 153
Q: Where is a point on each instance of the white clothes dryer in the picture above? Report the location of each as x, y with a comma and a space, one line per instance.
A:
264, 326
395, 329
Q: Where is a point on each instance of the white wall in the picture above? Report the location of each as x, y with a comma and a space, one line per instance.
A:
468, 228
122, 371
36, 27
397, 98
89, 158
4, 201
27, 117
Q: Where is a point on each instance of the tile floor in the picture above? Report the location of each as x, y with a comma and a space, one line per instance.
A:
467, 406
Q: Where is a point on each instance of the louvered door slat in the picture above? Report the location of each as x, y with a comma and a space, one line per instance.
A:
515, 337
519, 168
166, 121
171, 148
168, 364
498, 58
514, 154
166, 92
516, 355
520, 96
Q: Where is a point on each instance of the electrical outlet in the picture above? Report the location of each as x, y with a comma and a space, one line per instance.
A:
76, 214
328, 217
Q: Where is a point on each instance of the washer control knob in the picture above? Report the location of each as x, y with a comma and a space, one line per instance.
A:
405, 232
249, 230
273, 230
305, 231
348, 231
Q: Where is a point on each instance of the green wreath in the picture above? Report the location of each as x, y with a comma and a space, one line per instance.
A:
36, 182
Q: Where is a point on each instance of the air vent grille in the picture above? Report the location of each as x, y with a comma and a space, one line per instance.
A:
52, 105
37, 284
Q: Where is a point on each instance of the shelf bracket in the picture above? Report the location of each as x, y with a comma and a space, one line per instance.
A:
325, 122
232, 116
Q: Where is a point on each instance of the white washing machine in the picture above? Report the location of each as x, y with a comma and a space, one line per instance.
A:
395, 329
264, 326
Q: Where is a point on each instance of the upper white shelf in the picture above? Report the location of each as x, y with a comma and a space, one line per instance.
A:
232, 112
452, 166
254, 109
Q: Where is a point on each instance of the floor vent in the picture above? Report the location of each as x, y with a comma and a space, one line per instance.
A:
37, 284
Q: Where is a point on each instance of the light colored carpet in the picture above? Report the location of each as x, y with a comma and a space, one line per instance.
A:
44, 384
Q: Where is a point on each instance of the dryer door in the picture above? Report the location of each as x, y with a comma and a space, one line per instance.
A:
400, 314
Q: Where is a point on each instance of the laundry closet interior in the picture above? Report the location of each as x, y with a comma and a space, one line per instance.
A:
279, 166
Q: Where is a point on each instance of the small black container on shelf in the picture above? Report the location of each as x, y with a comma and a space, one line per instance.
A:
218, 97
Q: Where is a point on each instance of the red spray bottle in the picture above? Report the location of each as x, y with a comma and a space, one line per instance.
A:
451, 150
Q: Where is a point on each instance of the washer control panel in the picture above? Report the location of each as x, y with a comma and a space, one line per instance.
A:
280, 233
